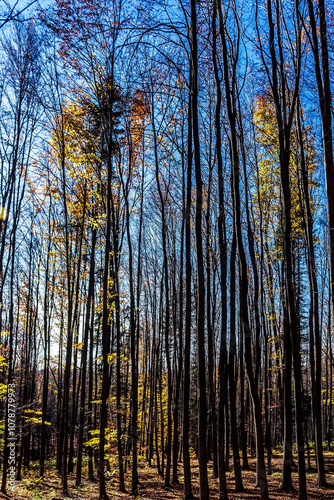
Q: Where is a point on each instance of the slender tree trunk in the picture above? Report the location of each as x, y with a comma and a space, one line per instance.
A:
211, 355
243, 433
230, 89
322, 71
10, 387
232, 382
187, 341
90, 297
46, 325
105, 342
133, 343
223, 269
90, 393
284, 117
287, 438
67, 371
180, 329
168, 447
314, 314
202, 407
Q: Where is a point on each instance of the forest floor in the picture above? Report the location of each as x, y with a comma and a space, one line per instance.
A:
32, 487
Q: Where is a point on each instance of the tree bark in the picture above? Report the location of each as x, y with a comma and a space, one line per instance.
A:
202, 407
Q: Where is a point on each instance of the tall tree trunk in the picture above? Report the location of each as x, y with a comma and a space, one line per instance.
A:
105, 340
211, 355
90, 298
187, 340
223, 269
69, 343
287, 437
202, 407
168, 447
285, 112
314, 312
234, 430
180, 327
46, 325
230, 91
321, 63
133, 342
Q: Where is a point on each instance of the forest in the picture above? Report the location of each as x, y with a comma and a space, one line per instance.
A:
166, 249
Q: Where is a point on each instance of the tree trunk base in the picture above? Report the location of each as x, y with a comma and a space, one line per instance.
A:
287, 488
